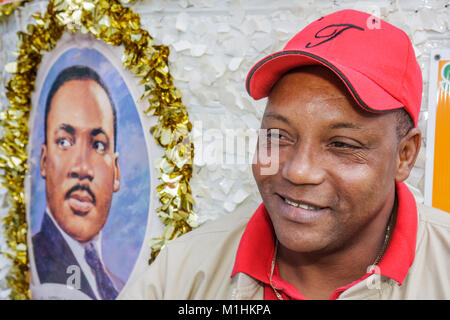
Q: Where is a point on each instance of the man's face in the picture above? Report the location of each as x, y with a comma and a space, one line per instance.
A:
335, 160
78, 162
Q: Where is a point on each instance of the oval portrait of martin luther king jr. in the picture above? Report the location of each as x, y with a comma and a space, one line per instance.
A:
89, 190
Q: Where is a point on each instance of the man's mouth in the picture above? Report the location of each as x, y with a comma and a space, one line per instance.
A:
300, 211
302, 205
81, 200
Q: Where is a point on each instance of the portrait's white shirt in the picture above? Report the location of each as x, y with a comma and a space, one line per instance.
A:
78, 251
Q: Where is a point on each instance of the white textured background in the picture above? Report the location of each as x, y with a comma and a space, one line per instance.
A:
213, 45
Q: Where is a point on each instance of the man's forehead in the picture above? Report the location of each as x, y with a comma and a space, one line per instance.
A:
87, 85
81, 94
335, 110
335, 113
81, 104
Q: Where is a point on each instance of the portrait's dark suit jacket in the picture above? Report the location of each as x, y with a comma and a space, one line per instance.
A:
53, 256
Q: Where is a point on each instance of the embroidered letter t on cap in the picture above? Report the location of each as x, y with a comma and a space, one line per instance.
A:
374, 59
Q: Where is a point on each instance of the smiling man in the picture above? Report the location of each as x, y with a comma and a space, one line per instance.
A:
80, 165
337, 220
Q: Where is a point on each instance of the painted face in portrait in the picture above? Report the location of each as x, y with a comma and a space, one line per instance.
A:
78, 161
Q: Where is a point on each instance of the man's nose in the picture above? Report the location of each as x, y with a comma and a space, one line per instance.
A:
82, 168
304, 166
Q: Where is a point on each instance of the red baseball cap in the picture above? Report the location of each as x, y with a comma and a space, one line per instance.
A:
374, 59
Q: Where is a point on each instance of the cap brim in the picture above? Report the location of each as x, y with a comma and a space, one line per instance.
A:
263, 76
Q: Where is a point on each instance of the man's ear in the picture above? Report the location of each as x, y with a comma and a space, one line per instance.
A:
44, 160
408, 151
116, 185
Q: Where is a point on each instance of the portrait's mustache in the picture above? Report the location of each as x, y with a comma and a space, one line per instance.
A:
80, 187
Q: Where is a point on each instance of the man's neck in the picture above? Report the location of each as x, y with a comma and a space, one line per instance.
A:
317, 277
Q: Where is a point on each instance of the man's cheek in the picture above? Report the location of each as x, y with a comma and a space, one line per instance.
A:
103, 184
262, 181
108, 159
354, 176
58, 163
54, 173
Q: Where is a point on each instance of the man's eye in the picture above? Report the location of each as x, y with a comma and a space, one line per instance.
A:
275, 134
343, 145
63, 142
99, 146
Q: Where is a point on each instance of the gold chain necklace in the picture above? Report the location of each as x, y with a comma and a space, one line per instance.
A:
387, 237
274, 261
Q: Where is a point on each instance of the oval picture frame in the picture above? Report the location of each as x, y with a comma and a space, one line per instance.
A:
160, 107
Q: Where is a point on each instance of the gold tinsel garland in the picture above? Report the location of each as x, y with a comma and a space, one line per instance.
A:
116, 25
8, 8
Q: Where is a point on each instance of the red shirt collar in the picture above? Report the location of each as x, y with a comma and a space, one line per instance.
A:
257, 246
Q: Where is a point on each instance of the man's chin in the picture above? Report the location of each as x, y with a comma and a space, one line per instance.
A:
82, 234
305, 247
310, 244
300, 238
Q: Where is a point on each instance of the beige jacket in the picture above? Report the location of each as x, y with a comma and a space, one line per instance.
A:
198, 265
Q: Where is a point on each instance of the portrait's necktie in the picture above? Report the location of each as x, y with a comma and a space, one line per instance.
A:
104, 283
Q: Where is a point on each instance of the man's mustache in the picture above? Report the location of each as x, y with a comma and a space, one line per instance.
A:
80, 187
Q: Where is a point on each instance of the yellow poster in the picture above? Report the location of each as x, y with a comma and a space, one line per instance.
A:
441, 172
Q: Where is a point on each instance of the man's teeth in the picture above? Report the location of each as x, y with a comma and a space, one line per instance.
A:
301, 205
